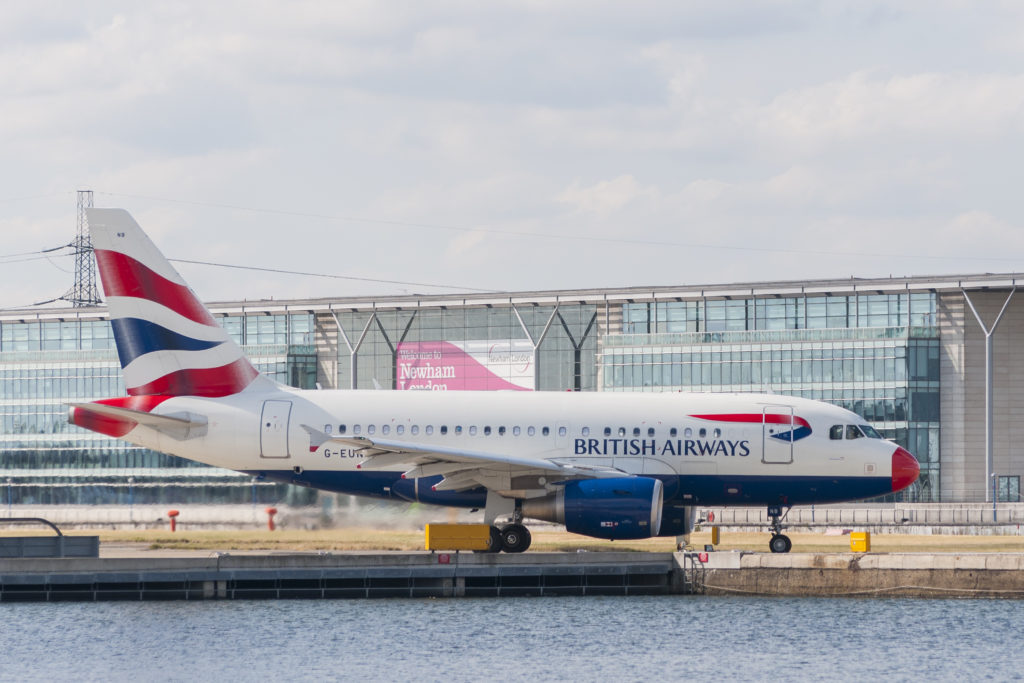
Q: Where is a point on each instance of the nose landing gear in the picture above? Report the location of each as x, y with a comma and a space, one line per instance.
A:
779, 542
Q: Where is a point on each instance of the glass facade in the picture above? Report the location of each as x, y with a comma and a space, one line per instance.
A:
563, 338
44, 365
877, 355
780, 313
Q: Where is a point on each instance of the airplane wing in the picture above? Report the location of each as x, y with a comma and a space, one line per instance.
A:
463, 469
180, 426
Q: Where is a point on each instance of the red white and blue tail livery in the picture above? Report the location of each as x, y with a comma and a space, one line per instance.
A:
167, 341
607, 465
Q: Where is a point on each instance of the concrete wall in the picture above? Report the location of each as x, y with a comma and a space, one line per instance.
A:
963, 392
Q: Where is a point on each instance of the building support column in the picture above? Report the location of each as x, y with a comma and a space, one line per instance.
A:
536, 342
989, 493
354, 350
577, 350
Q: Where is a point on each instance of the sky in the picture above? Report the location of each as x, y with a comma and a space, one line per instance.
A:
444, 147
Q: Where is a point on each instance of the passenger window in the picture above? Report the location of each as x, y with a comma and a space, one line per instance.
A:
688, 432
561, 431
622, 431
327, 429
472, 430
530, 431
356, 429
341, 429
515, 431
607, 431
458, 430
415, 429
673, 432
702, 433
636, 431
650, 431
444, 429
545, 431
385, 429
586, 431
487, 431
429, 429
370, 429
836, 432
400, 429
501, 431
852, 432
718, 433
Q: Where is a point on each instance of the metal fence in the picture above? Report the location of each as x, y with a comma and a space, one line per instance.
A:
937, 514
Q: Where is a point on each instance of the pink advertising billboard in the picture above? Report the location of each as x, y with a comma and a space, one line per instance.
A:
465, 366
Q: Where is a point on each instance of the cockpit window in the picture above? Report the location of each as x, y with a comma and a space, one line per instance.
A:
836, 432
870, 432
853, 432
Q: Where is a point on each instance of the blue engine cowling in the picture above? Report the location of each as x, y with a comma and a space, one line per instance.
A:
616, 509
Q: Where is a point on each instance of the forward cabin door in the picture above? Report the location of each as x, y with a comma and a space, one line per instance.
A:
274, 421
777, 427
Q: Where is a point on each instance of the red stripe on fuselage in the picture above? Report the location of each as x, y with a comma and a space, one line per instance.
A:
212, 382
124, 276
757, 418
115, 426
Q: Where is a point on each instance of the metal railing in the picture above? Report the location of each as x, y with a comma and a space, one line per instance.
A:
963, 514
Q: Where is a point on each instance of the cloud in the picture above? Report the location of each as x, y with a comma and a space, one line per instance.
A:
606, 196
354, 136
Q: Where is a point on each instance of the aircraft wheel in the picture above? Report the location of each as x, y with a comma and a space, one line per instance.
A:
495, 543
515, 538
780, 543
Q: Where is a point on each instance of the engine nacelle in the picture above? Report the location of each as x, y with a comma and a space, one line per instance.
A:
616, 509
677, 520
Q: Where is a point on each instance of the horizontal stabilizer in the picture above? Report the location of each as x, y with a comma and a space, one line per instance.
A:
180, 426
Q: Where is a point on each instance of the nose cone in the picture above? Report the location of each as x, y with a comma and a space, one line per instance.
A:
904, 469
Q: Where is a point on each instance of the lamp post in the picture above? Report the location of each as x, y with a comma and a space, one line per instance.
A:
995, 495
131, 499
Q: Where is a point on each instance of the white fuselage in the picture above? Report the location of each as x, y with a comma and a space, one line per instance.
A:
704, 460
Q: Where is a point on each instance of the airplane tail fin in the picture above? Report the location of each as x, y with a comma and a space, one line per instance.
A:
167, 341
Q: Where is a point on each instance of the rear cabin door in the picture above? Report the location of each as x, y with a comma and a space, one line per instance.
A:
274, 421
777, 427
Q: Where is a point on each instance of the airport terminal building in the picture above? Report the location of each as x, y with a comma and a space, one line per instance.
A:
908, 354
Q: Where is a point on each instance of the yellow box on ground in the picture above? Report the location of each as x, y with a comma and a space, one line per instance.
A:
860, 541
458, 536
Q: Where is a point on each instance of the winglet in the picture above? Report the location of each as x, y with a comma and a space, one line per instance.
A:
316, 438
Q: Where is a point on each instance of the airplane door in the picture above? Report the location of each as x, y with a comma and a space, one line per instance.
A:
274, 421
777, 427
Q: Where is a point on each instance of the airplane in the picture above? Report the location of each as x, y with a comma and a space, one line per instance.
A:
605, 465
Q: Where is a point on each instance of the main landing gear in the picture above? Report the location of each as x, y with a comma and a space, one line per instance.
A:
515, 538
509, 538
779, 542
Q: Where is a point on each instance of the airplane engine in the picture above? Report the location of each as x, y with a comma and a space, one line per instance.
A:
616, 509
677, 520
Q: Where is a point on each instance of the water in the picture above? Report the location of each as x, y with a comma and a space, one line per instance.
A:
579, 639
